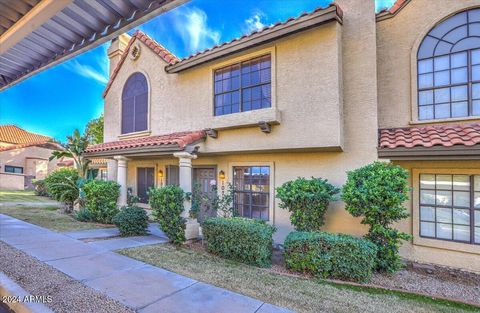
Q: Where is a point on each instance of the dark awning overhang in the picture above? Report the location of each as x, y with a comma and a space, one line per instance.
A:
457, 152
37, 34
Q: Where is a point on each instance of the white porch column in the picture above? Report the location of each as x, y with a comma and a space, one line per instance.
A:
122, 179
185, 181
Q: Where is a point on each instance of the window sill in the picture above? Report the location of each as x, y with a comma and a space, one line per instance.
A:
446, 120
446, 245
246, 119
143, 133
14, 174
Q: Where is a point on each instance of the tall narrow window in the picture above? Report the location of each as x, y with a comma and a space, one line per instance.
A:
252, 191
135, 104
449, 68
243, 86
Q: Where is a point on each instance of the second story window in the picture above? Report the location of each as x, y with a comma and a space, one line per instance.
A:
243, 86
135, 104
449, 68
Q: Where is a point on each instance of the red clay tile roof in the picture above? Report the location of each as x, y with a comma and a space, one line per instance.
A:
16, 135
394, 9
161, 51
45, 144
179, 140
63, 161
428, 136
304, 14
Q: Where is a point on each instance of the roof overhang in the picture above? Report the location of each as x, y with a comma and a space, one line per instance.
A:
457, 152
275, 32
37, 34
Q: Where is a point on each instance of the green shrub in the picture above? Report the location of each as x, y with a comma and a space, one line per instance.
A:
240, 239
83, 215
329, 255
167, 206
131, 221
307, 201
101, 199
40, 187
63, 186
377, 193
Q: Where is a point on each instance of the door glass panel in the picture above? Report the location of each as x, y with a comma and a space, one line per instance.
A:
477, 234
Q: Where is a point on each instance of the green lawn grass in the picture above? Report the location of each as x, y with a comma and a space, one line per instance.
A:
21, 196
49, 217
299, 294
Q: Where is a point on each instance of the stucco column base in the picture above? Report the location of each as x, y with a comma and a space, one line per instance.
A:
185, 180
192, 229
122, 179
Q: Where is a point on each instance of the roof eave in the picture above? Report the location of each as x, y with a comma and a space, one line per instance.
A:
397, 7
456, 152
332, 13
140, 151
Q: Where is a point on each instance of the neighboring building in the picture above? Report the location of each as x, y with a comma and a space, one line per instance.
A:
24, 156
317, 95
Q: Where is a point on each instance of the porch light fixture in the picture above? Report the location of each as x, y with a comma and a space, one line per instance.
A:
221, 175
160, 173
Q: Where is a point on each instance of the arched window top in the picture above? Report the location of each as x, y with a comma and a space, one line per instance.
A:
457, 33
136, 84
449, 68
135, 104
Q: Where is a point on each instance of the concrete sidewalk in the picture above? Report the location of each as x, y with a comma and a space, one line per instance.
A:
138, 285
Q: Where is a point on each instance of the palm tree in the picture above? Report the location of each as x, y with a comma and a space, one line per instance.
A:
74, 148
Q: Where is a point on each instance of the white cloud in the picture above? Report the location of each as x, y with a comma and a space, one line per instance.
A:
88, 71
255, 22
191, 24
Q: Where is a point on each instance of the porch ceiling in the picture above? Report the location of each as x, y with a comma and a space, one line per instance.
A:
37, 34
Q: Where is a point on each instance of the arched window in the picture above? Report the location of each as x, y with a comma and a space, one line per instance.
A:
135, 104
449, 68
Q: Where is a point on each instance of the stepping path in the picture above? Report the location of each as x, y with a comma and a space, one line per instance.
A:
138, 285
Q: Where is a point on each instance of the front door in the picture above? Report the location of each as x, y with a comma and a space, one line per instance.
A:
145, 181
205, 180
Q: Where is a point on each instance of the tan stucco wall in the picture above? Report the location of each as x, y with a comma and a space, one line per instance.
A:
9, 181
424, 250
398, 39
34, 161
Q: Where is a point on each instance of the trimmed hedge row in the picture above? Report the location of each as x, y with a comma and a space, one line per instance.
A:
245, 240
328, 255
131, 221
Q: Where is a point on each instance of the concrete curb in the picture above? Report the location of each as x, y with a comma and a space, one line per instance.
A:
8, 288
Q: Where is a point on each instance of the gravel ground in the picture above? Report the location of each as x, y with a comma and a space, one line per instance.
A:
435, 281
39, 279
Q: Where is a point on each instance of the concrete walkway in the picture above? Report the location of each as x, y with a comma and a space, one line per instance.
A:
138, 285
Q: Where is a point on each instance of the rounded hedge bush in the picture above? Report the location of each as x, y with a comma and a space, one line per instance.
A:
307, 201
131, 221
101, 199
329, 255
241, 239
83, 215
62, 185
377, 192
167, 206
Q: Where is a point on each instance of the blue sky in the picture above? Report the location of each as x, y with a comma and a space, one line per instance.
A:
62, 98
